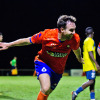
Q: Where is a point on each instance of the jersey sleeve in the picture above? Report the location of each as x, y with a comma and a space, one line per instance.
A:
99, 45
90, 44
76, 42
37, 38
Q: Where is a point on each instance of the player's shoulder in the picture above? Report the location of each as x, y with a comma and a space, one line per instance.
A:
88, 39
51, 32
76, 37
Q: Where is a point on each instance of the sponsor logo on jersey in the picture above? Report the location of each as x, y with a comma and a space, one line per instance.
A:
56, 54
68, 46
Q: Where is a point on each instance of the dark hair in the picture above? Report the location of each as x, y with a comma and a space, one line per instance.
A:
63, 19
89, 30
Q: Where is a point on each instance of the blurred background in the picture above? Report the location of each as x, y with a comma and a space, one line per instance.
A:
23, 18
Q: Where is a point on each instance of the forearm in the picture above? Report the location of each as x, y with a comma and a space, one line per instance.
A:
19, 42
78, 53
92, 57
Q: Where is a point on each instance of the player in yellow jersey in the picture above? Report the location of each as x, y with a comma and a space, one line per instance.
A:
90, 65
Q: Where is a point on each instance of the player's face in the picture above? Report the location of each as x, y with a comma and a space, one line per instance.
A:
92, 35
1, 37
70, 30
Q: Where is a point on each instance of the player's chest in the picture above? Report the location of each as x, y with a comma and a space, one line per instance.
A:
56, 45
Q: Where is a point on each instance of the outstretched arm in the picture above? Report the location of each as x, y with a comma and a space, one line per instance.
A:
19, 42
78, 55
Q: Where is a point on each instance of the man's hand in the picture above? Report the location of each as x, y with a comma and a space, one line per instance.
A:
19, 42
98, 67
4, 46
81, 60
78, 55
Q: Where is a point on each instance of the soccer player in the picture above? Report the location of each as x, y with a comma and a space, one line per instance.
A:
90, 65
13, 64
98, 49
51, 59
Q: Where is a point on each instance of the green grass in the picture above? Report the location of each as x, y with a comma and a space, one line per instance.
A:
27, 88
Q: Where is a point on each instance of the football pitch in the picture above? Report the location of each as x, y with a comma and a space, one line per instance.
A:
27, 88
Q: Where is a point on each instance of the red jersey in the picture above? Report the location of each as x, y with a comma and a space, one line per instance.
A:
54, 52
99, 44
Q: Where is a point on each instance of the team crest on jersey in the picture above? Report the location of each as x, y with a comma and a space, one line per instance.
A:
44, 69
68, 46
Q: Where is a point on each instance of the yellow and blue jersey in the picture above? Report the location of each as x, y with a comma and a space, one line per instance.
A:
89, 45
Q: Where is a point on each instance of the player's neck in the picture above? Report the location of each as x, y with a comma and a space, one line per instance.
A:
90, 36
62, 37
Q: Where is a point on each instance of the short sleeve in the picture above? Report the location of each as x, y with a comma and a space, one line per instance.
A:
37, 38
76, 42
90, 44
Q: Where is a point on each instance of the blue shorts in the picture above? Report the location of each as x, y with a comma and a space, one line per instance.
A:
42, 68
91, 74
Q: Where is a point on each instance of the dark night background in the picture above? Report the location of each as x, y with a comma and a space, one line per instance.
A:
23, 18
